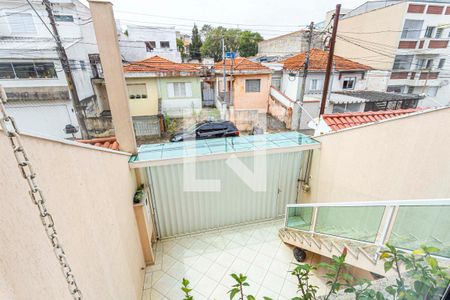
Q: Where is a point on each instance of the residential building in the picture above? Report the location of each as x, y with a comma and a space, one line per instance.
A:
138, 42
347, 75
287, 44
30, 70
157, 86
247, 90
407, 39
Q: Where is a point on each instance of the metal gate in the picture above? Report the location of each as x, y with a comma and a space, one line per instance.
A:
146, 126
181, 212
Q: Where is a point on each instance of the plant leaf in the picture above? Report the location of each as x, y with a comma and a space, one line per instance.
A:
233, 293
250, 297
432, 262
388, 265
418, 252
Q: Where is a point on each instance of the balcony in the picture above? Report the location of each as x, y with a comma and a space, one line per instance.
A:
364, 228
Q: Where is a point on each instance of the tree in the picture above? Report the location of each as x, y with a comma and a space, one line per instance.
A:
180, 46
243, 42
196, 44
248, 43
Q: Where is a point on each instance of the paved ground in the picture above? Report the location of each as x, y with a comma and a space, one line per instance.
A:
207, 259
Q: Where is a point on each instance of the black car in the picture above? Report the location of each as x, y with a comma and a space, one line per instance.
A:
206, 130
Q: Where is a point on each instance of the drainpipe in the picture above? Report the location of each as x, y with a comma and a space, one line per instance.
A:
111, 60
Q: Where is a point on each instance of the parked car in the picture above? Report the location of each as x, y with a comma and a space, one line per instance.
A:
206, 130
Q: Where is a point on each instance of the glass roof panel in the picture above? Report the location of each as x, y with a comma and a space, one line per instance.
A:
195, 148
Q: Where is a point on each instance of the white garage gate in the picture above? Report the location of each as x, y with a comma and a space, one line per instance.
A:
182, 207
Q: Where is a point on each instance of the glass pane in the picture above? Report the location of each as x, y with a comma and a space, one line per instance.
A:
419, 225
6, 71
45, 70
299, 217
358, 223
25, 70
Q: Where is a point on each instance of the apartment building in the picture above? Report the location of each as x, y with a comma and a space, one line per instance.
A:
30, 70
406, 40
138, 42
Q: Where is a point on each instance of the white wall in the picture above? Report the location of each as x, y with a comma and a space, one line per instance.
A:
89, 193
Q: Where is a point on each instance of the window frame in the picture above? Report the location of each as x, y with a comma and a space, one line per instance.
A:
64, 18
252, 90
438, 33
150, 46
349, 79
429, 31
441, 63
411, 34
161, 44
403, 62
12, 69
142, 96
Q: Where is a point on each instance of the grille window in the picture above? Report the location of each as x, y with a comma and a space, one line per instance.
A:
252, 85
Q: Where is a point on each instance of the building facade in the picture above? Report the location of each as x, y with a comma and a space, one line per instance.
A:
408, 40
139, 42
30, 70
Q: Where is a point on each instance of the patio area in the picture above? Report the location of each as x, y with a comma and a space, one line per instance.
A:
208, 259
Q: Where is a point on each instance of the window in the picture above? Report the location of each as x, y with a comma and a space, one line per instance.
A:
432, 91
179, 89
403, 62
21, 23
164, 44
73, 64
411, 29
441, 63
349, 83
410, 90
25, 70
252, 85
82, 65
439, 33
137, 91
315, 85
63, 18
394, 89
45, 70
429, 64
429, 31
150, 46
276, 82
346, 107
7, 71
420, 63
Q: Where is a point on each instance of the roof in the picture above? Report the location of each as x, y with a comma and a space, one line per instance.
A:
340, 121
109, 142
242, 64
318, 62
157, 64
209, 149
374, 96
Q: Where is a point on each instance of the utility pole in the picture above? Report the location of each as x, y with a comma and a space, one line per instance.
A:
330, 59
305, 73
231, 77
224, 73
66, 68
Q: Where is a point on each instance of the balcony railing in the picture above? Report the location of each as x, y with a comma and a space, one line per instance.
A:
403, 224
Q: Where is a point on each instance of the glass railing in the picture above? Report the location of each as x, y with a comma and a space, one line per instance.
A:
404, 224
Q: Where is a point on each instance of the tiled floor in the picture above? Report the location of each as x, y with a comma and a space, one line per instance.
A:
208, 259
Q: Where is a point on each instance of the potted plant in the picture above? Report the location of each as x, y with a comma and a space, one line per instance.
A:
139, 195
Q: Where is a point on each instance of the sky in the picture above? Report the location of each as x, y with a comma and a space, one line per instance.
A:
269, 17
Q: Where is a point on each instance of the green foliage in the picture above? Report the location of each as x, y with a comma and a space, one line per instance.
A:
238, 288
180, 47
196, 44
303, 272
139, 195
236, 40
186, 290
170, 124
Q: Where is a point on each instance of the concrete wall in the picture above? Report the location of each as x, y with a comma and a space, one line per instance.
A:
388, 22
397, 159
294, 42
257, 101
177, 107
149, 105
89, 192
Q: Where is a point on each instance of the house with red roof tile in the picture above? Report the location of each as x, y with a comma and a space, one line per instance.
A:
348, 77
247, 87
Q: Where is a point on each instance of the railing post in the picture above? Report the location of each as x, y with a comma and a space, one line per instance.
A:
314, 219
385, 229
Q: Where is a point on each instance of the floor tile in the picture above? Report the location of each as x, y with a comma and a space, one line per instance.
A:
216, 272
273, 282
206, 286
164, 284
202, 264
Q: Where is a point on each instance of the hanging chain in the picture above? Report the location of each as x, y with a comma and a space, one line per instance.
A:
36, 194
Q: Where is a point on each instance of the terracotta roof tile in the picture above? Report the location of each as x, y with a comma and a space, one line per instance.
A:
241, 64
339, 121
109, 143
160, 65
318, 62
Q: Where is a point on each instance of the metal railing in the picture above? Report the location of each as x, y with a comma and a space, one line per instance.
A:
405, 224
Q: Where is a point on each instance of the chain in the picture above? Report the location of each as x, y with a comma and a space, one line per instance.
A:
36, 194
